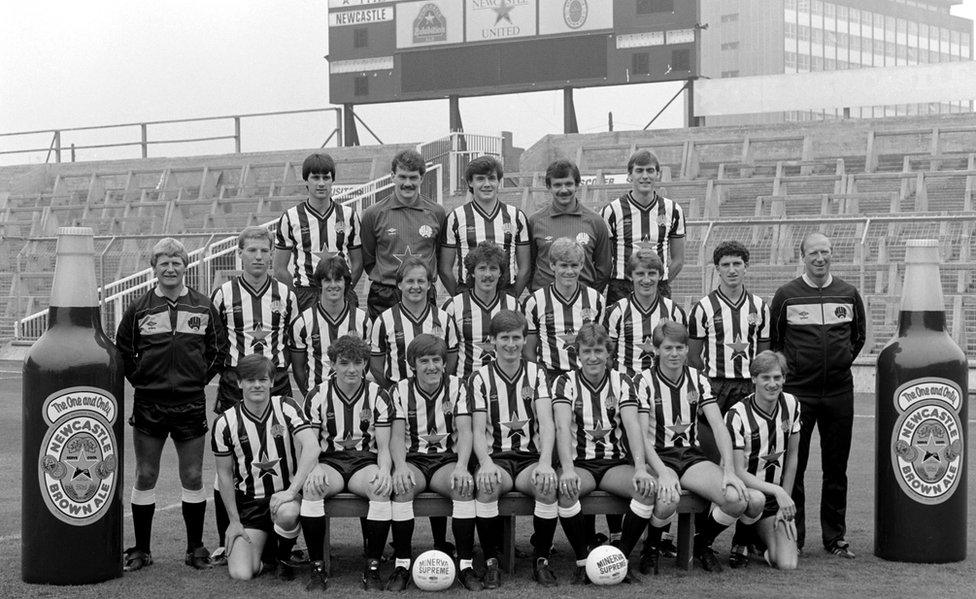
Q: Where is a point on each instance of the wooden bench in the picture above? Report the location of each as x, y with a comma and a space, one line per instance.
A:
510, 505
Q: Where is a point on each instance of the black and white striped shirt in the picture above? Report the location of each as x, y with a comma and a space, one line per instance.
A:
468, 225
509, 403
764, 437
731, 332
348, 423
316, 331
430, 417
674, 405
258, 320
597, 429
633, 226
310, 236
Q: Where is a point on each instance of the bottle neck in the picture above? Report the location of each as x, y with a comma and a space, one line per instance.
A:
74, 281
75, 316
934, 320
922, 289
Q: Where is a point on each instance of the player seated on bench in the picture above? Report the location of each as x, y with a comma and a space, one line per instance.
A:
673, 394
431, 447
600, 444
351, 418
513, 441
264, 448
765, 431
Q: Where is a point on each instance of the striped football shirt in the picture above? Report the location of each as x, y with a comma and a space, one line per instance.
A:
731, 331
631, 327
633, 226
258, 320
469, 224
310, 236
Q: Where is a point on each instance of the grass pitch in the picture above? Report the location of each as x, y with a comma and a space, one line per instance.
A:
819, 575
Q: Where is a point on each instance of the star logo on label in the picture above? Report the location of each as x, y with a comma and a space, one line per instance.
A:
406, 254
738, 348
932, 448
82, 466
433, 438
568, 339
258, 335
679, 429
597, 433
771, 460
644, 244
647, 347
349, 442
501, 12
515, 426
267, 467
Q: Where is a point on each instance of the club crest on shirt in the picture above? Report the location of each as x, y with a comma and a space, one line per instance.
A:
365, 414
527, 393
437, 330
578, 404
277, 431
693, 396
426, 231
582, 238
276, 306
662, 220
340, 226
447, 406
785, 427
752, 319
610, 401
840, 312
588, 313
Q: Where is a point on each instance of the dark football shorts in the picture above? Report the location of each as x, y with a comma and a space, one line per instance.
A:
680, 459
429, 463
599, 467
229, 394
183, 422
254, 513
347, 463
514, 462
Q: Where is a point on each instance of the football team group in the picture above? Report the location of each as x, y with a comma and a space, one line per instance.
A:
559, 365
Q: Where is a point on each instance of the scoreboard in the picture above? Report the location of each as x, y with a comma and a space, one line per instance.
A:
388, 51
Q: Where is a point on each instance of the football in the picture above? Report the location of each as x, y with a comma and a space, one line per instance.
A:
606, 565
433, 571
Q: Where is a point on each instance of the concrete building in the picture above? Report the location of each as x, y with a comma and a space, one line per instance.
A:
767, 37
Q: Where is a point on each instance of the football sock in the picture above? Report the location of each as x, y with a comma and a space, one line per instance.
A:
634, 523
313, 526
575, 528
489, 528
377, 520
462, 525
143, 509
286, 541
715, 523
194, 512
402, 513
220, 514
589, 524
438, 529
614, 525
544, 520
654, 533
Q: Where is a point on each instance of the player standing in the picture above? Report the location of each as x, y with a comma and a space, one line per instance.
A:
485, 218
513, 440
402, 225
315, 229
352, 419
643, 218
566, 217
472, 308
172, 343
264, 449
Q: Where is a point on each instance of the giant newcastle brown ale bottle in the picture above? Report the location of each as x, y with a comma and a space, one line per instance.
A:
72, 436
920, 489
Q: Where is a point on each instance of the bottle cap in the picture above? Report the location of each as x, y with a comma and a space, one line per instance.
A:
75, 240
922, 251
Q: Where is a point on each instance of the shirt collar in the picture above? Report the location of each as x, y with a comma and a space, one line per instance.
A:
158, 293
809, 281
575, 211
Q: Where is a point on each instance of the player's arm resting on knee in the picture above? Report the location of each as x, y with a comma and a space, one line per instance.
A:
488, 474
461, 479
568, 479
402, 477
724, 443
676, 256
383, 481
445, 268
355, 266
279, 265
668, 483
308, 458
545, 475
643, 481
225, 476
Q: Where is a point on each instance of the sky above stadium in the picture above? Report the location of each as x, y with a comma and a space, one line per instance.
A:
67, 64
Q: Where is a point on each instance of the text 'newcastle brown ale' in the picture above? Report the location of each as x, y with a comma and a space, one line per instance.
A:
72, 437
920, 489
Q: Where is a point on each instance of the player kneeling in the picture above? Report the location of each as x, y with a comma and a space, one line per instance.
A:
352, 419
260, 474
430, 446
600, 444
765, 431
674, 394
513, 441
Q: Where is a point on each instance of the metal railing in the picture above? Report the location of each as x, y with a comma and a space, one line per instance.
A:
59, 144
216, 254
455, 151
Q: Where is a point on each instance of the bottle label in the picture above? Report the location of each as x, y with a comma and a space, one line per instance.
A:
78, 465
926, 443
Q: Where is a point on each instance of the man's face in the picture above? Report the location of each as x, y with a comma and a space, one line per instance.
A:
672, 353
169, 271
644, 178
486, 277
567, 271
563, 190
414, 285
429, 369
645, 281
406, 184
769, 384
333, 290
509, 344
593, 360
816, 257
256, 389
349, 371
319, 186
256, 257
485, 187
731, 270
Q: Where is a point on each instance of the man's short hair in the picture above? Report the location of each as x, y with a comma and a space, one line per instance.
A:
425, 344
642, 157
562, 168
669, 329
482, 165
351, 347
808, 236
332, 268
486, 251
408, 160
767, 360
505, 321
255, 233
730, 248
318, 163
409, 263
565, 249
592, 333
647, 258
255, 366
171, 248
